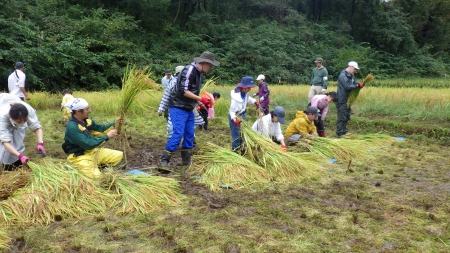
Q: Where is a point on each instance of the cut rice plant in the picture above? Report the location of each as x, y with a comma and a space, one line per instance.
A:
217, 165
374, 139
10, 181
55, 191
282, 166
142, 193
134, 82
340, 149
209, 83
4, 240
355, 92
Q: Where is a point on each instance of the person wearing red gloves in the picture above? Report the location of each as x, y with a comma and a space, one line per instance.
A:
184, 99
269, 126
16, 117
346, 83
239, 100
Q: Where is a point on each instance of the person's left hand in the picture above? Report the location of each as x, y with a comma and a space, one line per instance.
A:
40, 149
257, 104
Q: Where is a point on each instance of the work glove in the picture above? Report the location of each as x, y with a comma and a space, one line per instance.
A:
205, 101
41, 150
160, 113
284, 148
261, 98
360, 84
257, 104
23, 159
256, 94
323, 90
237, 122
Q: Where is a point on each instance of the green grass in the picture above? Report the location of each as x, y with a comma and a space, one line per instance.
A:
395, 200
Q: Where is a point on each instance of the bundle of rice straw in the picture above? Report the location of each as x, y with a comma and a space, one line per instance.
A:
55, 190
10, 181
355, 93
134, 81
210, 83
218, 165
142, 193
4, 240
282, 166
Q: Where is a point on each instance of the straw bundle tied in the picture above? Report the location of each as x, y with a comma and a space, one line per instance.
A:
59, 190
355, 93
218, 165
13, 180
142, 193
134, 81
282, 166
4, 240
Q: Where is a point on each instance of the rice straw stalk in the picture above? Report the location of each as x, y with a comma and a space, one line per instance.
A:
355, 92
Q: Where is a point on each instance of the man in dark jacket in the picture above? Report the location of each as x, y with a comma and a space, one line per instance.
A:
346, 83
184, 99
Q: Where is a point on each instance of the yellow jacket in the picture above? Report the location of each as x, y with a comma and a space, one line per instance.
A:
300, 125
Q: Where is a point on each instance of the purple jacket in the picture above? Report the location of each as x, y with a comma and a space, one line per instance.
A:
264, 92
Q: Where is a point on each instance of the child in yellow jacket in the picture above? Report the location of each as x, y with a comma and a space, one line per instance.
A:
67, 96
302, 125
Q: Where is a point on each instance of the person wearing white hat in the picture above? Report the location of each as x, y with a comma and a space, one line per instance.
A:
84, 137
346, 83
263, 93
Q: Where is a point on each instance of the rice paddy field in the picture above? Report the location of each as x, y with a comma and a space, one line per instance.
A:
386, 190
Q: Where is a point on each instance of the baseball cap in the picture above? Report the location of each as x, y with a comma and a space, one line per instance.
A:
313, 110
353, 64
168, 72
19, 65
318, 60
279, 111
261, 77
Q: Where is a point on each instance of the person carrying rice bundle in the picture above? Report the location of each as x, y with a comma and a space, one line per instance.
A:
81, 143
269, 126
16, 117
303, 125
346, 83
239, 100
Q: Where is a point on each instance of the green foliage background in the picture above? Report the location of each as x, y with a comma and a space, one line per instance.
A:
85, 45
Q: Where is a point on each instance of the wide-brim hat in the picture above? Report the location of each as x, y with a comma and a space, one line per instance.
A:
207, 57
246, 82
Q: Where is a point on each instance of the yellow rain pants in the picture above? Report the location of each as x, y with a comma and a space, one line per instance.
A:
88, 163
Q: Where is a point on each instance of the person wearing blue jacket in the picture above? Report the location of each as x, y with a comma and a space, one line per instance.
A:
184, 99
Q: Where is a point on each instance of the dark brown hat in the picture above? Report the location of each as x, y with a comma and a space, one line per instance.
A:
207, 57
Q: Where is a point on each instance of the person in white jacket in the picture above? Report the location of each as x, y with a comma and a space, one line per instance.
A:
269, 126
239, 100
16, 117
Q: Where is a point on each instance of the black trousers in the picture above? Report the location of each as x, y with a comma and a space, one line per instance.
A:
204, 114
12, 166
343, 117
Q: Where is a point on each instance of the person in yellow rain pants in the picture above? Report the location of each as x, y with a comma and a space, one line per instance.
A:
83, 140
67, 96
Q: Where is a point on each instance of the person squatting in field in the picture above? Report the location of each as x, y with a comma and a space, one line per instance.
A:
263, 93
269, 126
322, 102
303, 125
67, 96
346, 83
16, 117
184, 99
84, 137
239, 100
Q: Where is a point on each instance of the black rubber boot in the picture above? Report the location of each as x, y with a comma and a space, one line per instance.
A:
165, 159
186, 157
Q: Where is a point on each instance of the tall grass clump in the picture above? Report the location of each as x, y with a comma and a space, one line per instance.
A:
218, 165
142, 193
4, 240
355, 92
282, 166
134, 82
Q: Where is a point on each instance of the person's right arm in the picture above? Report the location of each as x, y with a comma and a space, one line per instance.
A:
84, 141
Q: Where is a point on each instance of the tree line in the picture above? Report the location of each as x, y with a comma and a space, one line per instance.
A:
86, 44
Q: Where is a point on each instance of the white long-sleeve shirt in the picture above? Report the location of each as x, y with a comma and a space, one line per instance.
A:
267, 128
239, 105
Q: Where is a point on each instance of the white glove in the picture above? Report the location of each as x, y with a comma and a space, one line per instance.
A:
323, 90
261, 98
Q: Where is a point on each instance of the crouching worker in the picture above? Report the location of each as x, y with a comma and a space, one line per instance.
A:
303, 125
269, 126
82, 146
239, 100
15, 117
